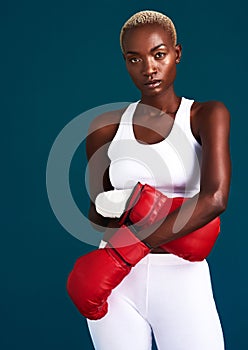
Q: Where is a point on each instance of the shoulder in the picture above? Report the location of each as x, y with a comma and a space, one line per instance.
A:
105, 121
208, 115
209, 109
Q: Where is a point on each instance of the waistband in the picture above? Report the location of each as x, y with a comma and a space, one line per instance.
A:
167, 259
162, 259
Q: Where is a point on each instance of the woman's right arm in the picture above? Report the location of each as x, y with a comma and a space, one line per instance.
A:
100, 135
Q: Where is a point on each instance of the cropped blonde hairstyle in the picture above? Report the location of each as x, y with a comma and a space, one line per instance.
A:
149, 17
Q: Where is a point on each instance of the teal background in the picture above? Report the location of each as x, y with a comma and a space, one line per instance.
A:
59, 59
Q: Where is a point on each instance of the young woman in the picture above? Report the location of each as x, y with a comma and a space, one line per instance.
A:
180, 147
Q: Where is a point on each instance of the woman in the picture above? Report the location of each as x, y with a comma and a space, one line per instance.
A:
163, 293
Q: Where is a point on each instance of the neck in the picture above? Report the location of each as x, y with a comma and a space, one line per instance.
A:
167, 102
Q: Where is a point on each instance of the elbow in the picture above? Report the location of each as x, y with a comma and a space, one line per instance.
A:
97, 221
219, 202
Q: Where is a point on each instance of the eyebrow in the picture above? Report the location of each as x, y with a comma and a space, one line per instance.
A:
153, 49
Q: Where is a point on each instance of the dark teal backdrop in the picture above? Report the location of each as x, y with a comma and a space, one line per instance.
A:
59, 59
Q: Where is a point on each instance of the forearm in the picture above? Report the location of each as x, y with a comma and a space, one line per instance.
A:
101, 223
193, 214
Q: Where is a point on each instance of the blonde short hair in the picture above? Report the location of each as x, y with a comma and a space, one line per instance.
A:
149, 17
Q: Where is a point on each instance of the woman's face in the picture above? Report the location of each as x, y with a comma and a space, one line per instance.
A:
151, 58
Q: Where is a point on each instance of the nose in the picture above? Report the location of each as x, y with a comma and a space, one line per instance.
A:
149, 67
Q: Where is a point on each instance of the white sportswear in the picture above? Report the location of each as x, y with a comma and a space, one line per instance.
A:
172, 165
168, 296
163, 293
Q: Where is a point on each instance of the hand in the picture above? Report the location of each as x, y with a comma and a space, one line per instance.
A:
97, 273
146, 206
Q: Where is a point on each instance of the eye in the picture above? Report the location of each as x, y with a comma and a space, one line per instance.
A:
134, 59
160, 55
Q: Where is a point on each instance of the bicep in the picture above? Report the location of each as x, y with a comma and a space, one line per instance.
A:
100, 135
216, 163
98, 164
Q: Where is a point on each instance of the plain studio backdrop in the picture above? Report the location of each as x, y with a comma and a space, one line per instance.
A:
58, 60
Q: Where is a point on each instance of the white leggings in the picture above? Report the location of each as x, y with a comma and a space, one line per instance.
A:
168, 296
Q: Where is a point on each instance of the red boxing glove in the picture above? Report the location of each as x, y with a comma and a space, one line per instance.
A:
196, 245
97, 273
147, 205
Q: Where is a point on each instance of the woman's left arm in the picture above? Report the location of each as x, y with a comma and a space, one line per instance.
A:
211, 123
214, 129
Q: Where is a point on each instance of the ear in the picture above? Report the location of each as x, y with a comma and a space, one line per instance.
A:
178, 52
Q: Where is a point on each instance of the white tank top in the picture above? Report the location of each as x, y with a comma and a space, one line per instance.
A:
172, 165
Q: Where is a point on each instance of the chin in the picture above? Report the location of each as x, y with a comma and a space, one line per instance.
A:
152, 93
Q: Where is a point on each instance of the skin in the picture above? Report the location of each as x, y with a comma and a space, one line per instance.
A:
150, 56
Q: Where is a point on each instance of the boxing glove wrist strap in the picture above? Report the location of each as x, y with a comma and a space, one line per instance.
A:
136, 230
126, 244
110, 246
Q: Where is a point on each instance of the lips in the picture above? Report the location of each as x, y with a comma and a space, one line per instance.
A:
153, 83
